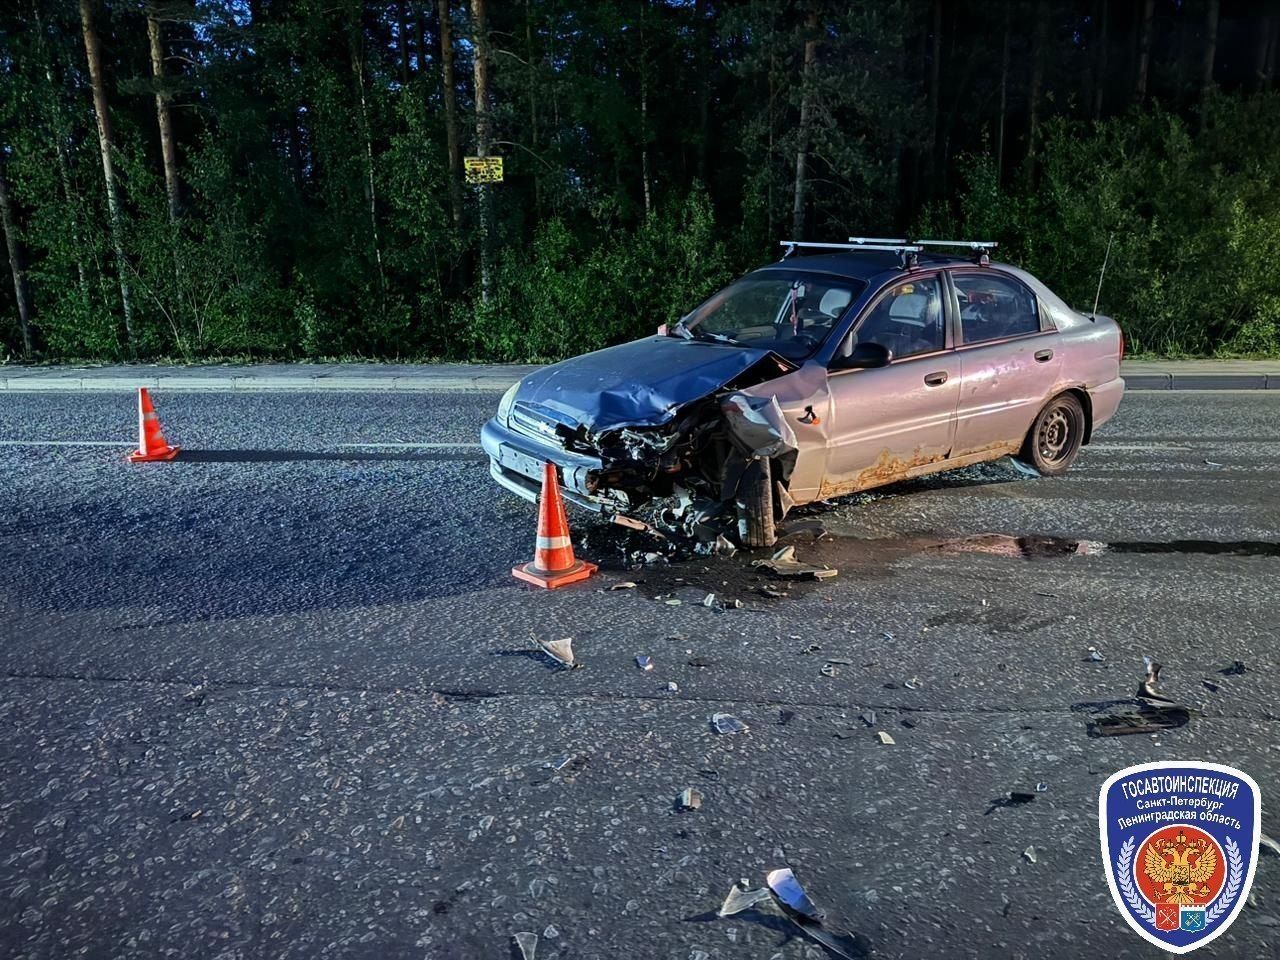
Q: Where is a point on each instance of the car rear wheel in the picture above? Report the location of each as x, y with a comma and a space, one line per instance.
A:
755, 506
1055, 438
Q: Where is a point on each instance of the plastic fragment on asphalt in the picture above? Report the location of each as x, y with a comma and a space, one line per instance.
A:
1095, 655
915, 683
558, 650
1268, 844
727, 723
784, 564
709, 600
1019, 467
885, 738
1213, 463
830, 670
672, 602
560, 762
1042, 787
624, 585
1236, 669
643, 662
690, 799
1030, 854
868, 717
527, 944
772, 593
1211, 685
551, 932
791, 894
838, 944
673, 687
631, 523
738, 899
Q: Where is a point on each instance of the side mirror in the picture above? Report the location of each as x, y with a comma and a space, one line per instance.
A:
866, 356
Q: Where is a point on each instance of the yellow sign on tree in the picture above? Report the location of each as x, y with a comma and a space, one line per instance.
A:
483, 169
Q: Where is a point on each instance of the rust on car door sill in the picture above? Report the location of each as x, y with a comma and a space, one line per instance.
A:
888, 468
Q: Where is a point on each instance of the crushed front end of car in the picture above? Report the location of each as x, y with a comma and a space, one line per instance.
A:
624, 437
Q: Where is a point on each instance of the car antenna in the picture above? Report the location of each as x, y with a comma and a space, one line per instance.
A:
1101, 273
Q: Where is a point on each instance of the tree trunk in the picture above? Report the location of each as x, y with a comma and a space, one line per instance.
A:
449, 91
533, 103
420, 16
1210, 48
806, 119
935, 92
484, 133
1100, 89
61, 133
167, 151
644, 118
15, 265
1004, 92
1144, 51
93, 53
1270, 70
1260, 52
402, 23
1037, 79
704, 86
370, 189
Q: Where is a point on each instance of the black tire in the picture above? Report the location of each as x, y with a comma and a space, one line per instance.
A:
1055, 437
755, 506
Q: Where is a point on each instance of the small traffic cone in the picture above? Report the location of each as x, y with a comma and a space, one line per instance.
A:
553, 563
151, 442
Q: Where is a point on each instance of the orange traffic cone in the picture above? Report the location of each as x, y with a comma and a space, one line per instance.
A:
553, 562
151, 442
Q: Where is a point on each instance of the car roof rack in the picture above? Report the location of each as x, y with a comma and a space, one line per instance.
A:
981, 248
908, 252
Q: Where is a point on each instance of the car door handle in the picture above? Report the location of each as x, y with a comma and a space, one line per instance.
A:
1044, 356
936, 379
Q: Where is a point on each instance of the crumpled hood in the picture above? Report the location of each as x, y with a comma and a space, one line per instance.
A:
641, 383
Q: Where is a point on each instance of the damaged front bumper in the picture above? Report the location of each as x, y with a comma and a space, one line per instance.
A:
515, 461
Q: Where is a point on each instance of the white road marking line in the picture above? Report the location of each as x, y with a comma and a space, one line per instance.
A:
415, 446
1138, 446
66, 443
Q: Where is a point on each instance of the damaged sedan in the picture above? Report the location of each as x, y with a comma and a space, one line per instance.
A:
840, 368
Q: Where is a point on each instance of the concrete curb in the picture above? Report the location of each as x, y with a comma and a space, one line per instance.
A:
460, 378
479, 384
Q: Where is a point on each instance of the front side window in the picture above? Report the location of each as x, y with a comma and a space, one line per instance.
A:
908, 320
788, 312
993, 307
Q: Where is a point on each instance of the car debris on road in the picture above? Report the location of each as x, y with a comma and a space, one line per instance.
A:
559, 650
784, 564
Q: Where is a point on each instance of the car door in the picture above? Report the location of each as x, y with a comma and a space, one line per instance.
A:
1009, 361
896, 420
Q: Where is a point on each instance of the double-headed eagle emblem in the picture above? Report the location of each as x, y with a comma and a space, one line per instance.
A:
1181, 867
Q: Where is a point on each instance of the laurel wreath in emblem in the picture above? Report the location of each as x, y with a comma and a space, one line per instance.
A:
1235, 877
1124, 880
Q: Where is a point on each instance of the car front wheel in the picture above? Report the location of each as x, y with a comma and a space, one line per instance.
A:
755, 506
1055, 438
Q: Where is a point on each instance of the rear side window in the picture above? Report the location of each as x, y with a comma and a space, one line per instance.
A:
994, 307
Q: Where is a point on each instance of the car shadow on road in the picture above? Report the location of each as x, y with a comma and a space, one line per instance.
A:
287, 456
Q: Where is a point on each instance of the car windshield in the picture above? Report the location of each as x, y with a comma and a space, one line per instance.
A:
788, 312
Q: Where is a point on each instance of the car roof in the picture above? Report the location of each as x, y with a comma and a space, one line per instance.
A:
878, 267
862, 264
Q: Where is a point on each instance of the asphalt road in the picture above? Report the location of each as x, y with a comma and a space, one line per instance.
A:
277, 698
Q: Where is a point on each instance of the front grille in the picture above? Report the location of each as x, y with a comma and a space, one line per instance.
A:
536, 424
